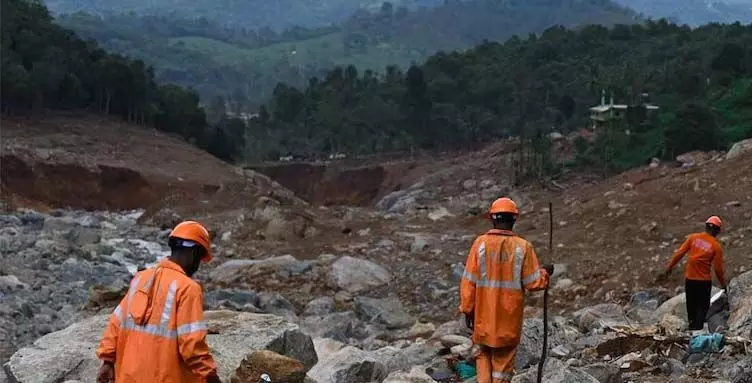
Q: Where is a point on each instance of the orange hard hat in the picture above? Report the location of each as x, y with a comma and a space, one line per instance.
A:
503, 205
716, 221
193, 233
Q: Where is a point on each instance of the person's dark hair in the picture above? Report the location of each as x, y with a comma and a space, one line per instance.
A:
189, 258
504, 220
712, 229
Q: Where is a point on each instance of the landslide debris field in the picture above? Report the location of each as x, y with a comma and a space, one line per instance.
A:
373, 246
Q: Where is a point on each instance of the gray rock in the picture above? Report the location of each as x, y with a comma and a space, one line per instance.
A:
236, 270
399, 201
740, 302
9, 283
358, 275
59, 224
275, 303
396, 359
604, 373
597, 317
84, 236
528, 352
419, 244
416, 375
739, 148
388, 312
348, 365
239, 300
70, 353
32, 219
556, 371
319, 306
341, 326
643, 304
10, 221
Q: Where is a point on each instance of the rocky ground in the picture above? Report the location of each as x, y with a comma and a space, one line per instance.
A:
367, 293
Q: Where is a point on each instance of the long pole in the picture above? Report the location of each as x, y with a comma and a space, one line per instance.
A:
545, 293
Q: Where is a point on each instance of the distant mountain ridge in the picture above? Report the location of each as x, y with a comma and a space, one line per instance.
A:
694, 12
277, 14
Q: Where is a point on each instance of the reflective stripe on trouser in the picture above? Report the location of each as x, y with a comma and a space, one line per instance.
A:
496, 365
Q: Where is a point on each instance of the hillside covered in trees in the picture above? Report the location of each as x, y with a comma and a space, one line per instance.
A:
701, 79
46, 67
244, 64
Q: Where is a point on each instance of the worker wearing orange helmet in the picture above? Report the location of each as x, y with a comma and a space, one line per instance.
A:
704, 251
501, 266
157, 332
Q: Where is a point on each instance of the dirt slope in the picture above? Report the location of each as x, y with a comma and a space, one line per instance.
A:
98, 163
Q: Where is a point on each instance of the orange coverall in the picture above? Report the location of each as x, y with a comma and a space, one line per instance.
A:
499, 268
704, 251
156, 333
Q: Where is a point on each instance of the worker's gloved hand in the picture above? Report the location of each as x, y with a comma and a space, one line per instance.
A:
469, 321
549, 269
106, 373
213, 378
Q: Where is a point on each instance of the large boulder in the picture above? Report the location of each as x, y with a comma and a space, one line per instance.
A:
236, 270
740, 302
346, 365
69, 354
598, 317
281, 368
529, 350
739, 148
388, 311
357, 275
341, 326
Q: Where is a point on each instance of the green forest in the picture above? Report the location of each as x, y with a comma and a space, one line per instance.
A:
243, 64
528, 86
701, 79
46, 67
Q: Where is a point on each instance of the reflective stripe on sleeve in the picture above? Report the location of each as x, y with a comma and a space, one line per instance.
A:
191, 328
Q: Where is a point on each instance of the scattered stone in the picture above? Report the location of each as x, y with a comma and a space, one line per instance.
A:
388, 312
319, 306
416, 375
563, 284
234, 271
439, 213
347, 365
469, 184
419, 244
358, 275
422, 330
597, 317
275, 303
555, 371
454, 340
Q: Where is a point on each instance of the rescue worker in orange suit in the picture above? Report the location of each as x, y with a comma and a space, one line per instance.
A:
157, 333
501, 266
704, 252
